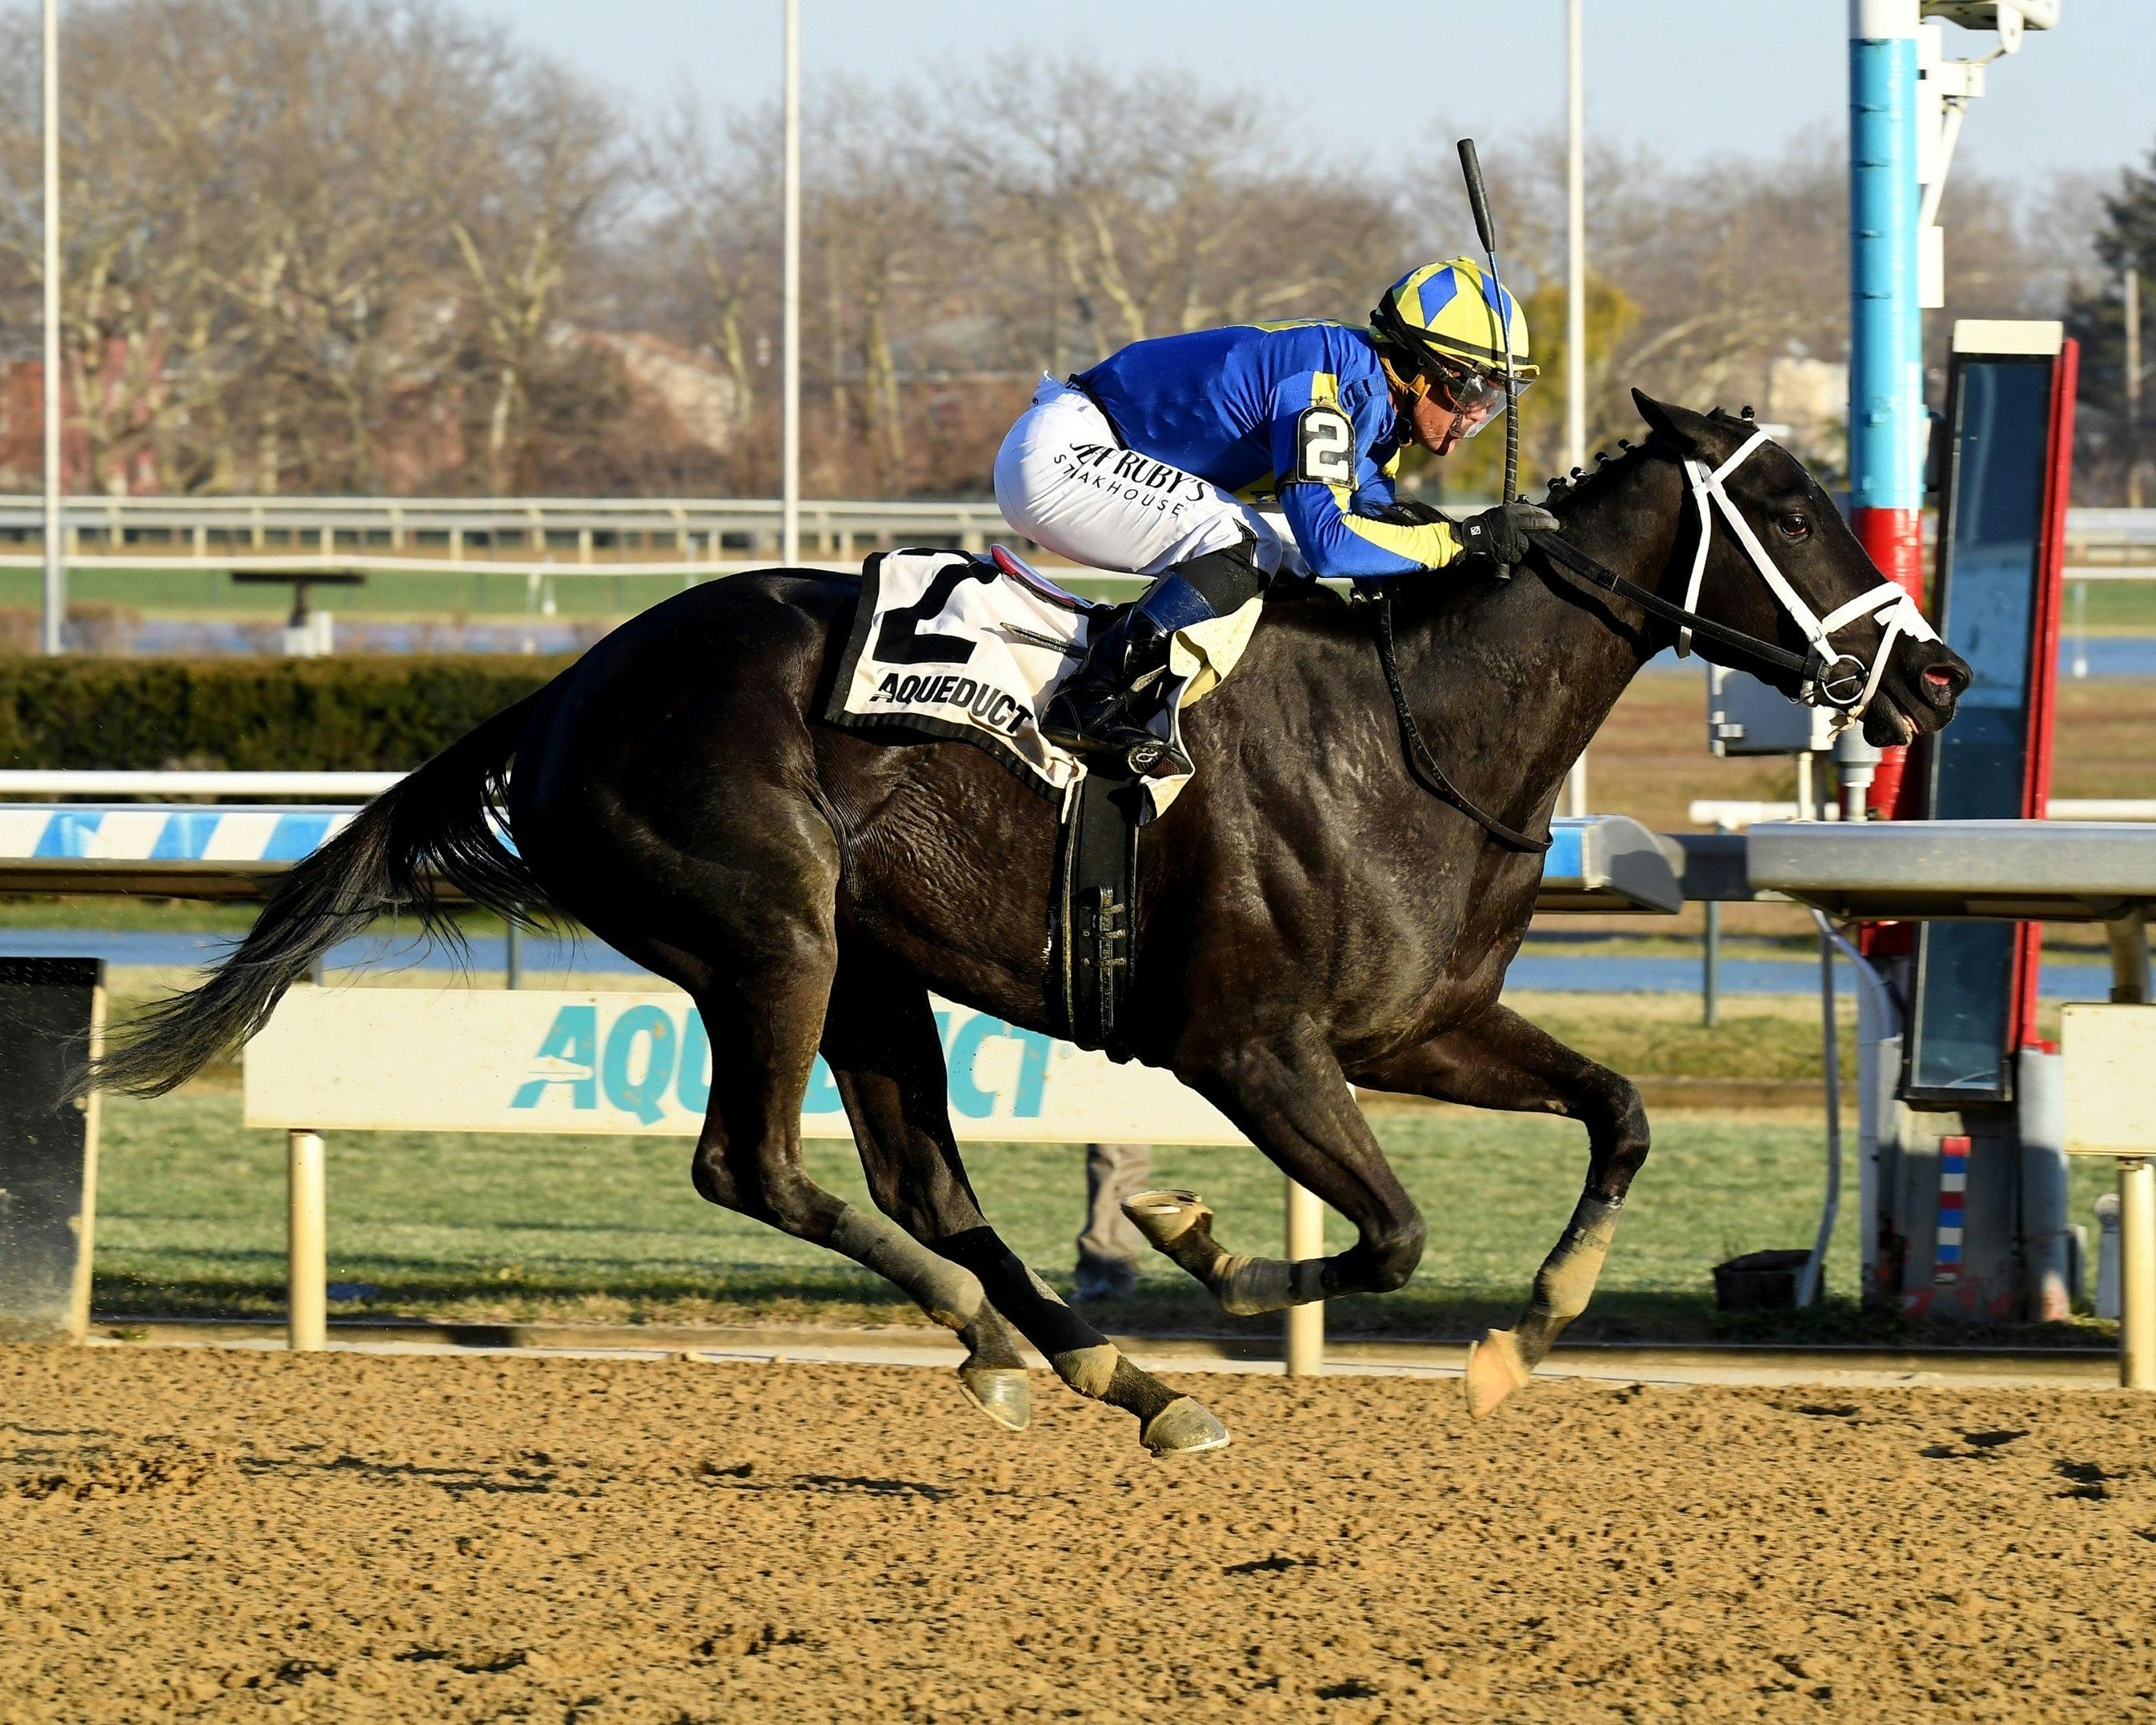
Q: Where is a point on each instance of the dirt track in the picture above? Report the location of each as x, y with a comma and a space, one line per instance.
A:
213, 1535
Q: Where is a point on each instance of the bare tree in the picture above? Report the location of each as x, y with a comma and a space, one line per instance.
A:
370, 244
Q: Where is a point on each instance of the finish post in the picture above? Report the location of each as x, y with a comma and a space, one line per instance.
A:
1886, 357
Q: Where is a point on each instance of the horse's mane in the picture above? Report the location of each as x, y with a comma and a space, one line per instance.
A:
1563, 494
1583, 484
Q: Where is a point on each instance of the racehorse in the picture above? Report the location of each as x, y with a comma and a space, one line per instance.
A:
1308, 916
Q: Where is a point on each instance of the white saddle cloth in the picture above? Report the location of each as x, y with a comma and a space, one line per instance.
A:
959, 649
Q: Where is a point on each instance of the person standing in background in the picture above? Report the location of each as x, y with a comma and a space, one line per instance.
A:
1109, 1247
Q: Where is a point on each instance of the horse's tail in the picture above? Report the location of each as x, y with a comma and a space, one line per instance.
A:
436, 825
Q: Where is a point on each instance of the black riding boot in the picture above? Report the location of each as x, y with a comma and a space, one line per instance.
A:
1101, 707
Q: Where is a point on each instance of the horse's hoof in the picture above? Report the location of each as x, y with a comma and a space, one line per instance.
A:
1495, 1369
1183, 1428
1002, 1393
1165, 1217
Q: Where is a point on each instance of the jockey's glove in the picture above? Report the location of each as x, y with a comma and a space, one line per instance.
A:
1499, 537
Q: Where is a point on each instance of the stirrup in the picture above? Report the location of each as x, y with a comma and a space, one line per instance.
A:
1144, 756
1157, 759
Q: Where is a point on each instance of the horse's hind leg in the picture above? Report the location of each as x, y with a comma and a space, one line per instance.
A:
893, 1096
881, 1039
763, 1029
761, 983
1287, 1096
1502, 1062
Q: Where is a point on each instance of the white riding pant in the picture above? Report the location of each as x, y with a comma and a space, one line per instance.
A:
1065, 481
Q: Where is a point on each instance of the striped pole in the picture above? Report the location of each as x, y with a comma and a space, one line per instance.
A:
1885, 349
1953, 1212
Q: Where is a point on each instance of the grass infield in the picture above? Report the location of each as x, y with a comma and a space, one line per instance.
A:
500, 1227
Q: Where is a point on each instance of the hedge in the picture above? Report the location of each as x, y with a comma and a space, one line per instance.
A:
241, 715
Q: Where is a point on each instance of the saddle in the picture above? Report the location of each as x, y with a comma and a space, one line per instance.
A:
950, 647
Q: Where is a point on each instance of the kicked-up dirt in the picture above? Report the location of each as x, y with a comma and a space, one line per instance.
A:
235, 1535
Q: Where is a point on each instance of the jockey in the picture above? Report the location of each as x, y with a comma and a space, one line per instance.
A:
1155, 462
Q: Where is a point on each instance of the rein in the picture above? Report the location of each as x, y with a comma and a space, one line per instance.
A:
1568, 558
1424, 764
1821, 681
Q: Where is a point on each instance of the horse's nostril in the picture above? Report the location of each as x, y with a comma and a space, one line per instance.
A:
1940, 676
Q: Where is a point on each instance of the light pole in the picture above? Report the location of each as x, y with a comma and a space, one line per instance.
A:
1575, 294
1575, 239
789, 341
2133, 387
55, 616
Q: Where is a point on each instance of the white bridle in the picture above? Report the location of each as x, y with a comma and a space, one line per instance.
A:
1896, 610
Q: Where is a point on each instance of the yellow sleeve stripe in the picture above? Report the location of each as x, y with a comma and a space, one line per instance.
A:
1431, 545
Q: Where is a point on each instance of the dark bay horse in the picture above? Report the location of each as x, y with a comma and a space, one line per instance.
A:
1308, 917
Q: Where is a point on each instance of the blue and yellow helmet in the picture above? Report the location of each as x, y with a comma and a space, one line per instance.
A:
1449, 313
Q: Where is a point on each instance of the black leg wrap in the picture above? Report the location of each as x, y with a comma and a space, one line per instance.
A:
1138, 1392
1049, 1325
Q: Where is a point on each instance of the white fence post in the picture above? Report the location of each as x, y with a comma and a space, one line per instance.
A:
1306, 1324
2136, 1280
306, 1259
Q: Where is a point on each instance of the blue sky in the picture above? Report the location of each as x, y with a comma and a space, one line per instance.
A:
1690, 78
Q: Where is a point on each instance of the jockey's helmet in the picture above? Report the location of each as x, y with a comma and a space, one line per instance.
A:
1438, 328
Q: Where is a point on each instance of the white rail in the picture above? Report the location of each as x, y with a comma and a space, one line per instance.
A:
584, 529
1733, 815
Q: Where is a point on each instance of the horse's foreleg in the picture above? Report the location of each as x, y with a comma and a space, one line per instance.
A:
1502, 1062
880, 1039
1286, 1095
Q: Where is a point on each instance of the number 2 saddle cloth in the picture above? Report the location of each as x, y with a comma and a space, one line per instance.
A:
949, 646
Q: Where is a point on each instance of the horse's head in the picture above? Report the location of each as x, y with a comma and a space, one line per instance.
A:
1872, 654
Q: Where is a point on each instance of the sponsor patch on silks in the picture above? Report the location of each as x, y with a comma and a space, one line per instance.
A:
947, 647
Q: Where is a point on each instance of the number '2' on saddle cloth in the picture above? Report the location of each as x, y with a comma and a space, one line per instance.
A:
950, 647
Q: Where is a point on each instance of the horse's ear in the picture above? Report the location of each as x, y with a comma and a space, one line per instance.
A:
1687, 433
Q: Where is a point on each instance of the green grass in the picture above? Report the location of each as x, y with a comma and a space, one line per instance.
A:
489, 1228
192, 589
208, 589
167, 916
2121, 607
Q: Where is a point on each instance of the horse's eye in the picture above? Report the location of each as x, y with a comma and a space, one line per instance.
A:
1796, 524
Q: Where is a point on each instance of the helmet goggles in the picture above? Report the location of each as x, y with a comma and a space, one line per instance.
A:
1472, 395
